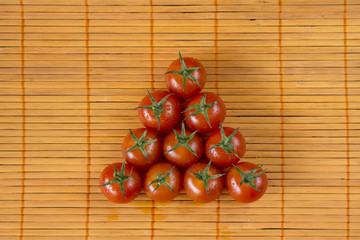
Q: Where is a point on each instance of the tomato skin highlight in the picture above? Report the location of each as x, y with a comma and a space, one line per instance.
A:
168, 118
245, 193
174, 82
219, 157
136, 157
132, 186
195, 189
216, 114
162, 193
181, 156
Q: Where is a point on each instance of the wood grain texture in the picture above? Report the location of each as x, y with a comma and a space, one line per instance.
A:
72, 72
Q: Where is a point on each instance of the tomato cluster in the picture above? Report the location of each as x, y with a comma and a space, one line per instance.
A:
176, 159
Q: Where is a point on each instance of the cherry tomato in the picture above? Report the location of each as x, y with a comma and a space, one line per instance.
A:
141, 148
120, 183
203, 182
205, 112
185, 77
159, 111
246, 182
182, 147
225, 146
162, 182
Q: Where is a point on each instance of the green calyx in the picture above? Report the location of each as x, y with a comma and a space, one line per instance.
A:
226, 142
205, 177
156, 107
161, 180
120, 178
202, 108
249, 178
183, 140
185, 72
140, 143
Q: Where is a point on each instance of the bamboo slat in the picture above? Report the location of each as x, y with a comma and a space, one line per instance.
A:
72, 73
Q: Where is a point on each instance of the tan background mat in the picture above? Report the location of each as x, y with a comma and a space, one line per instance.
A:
72, 71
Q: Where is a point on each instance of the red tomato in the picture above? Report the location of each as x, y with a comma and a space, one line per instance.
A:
120, 183
225, 146
203, 182
246, 182
159, 111
162, 182
182, 147
141, 148
205, 112
186, 77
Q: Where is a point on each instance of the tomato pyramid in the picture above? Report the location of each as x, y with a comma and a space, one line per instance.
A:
186, 146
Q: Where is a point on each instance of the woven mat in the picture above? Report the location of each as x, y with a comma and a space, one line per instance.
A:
72, 71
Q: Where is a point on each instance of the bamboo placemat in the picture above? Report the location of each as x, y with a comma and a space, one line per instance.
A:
72, 71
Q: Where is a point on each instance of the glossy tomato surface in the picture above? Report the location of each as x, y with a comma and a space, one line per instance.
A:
163, 193
181, 156
132, 186
245, 192
136, 157
220, 158
174, 82
170, 112
216, 114
195, 188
